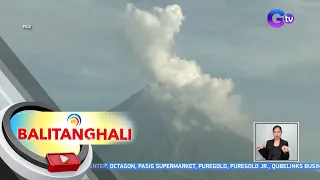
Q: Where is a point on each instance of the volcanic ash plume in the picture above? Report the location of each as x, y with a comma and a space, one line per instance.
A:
152, 36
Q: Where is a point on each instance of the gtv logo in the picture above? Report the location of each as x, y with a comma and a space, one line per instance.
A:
278, 22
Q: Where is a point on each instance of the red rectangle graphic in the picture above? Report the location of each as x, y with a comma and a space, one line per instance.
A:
62, 162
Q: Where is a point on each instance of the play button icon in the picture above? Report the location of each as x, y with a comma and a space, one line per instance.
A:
62, 162
64, 158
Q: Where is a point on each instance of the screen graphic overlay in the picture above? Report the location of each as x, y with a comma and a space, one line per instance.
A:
18, 146
58, 132
27, 119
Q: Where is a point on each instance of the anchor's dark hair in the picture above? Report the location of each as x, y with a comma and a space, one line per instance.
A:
277, 126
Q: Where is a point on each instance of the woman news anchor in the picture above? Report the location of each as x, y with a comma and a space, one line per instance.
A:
275, 149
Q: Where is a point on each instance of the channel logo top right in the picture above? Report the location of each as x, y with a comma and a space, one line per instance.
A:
277, 18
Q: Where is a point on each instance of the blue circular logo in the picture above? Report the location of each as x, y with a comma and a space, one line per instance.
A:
277, 18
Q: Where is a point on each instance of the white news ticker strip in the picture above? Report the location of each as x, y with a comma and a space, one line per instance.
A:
31, 171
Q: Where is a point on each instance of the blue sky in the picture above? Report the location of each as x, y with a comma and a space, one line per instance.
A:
78, 52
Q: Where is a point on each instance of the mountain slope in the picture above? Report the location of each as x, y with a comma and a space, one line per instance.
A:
159, 141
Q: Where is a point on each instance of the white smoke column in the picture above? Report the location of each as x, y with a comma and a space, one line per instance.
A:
152, 36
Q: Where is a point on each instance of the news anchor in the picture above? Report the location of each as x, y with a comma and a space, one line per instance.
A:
275, 149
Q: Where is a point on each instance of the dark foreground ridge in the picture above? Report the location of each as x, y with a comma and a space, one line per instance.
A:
158, 141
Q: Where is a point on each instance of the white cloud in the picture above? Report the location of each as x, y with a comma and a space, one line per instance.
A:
235, 39
152, 36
